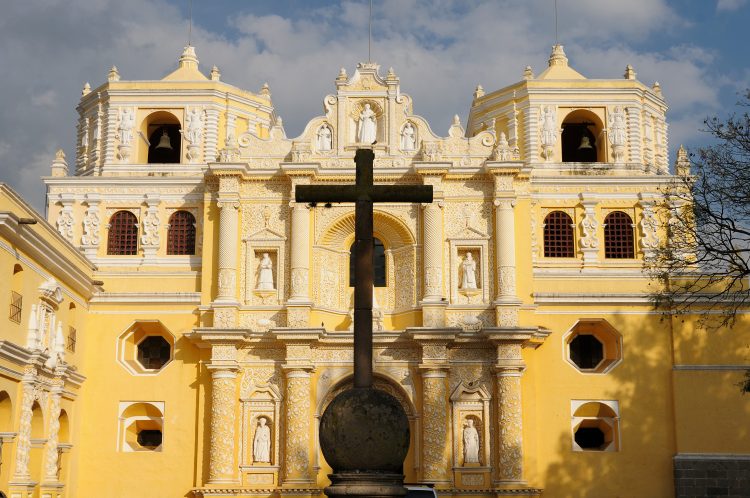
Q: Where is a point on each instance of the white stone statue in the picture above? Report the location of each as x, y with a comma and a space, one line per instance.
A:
471, 443
408, 137
368, 127
125, 128
502, 149
194, 126
325, 138
265, 274
262, 442
549, 130
468, 272
617, 127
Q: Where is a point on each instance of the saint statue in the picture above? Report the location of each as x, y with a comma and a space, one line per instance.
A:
408, 137
549, 130
324, 138
265, 273
617, 127
468, 272
367, 126
262, 442
125, 129
471, 443
194, 126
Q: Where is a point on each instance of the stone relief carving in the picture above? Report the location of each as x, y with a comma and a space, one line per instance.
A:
510, 453
126, 121
297, 460
65, 222
434, 431
52, 464
222, 426
502, 151
649, 228
617, 133
151, 224
23, 444
195, 122
91, 226
589, 226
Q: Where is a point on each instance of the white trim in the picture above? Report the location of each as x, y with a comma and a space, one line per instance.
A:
140, 260
541, 298
148, 297
712, 456
155, 313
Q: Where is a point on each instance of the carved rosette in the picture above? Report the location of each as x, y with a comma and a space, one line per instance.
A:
65, 220
51, 463
23, 442
435, 429
589, 240
223, 395
296, 454
91, 226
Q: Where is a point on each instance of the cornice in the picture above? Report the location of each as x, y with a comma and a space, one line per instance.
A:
147, 297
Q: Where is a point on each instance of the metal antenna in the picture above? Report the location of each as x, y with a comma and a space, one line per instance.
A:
556, 42
369, 37
190, 21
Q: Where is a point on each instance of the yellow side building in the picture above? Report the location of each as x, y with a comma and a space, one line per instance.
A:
177, 301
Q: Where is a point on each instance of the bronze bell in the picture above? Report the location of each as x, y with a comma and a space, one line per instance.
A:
164, 142
585, 143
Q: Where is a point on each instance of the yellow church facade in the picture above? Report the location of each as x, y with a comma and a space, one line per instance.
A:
183, 323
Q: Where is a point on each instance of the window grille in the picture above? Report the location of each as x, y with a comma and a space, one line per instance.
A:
618, 236
71, 345
181, 233
123, 234
16, 306
558, 236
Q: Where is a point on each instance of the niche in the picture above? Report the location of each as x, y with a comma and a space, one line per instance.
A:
164, 137
581, 130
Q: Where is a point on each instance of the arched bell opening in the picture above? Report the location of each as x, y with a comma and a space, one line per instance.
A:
582, 138
164, 138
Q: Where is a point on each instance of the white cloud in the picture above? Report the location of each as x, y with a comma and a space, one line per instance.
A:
440, 49
729, 5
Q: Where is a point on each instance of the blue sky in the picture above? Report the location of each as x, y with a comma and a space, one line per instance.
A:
696, 49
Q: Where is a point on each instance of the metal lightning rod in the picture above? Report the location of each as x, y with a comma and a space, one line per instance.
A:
190, 21
556, 41
369, 36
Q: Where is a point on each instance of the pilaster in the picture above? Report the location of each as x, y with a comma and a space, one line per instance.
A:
589, 238
91, 237
433, 297
151, 226
227, 301
21, 474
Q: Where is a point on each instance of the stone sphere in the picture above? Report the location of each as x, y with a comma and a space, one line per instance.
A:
365, 429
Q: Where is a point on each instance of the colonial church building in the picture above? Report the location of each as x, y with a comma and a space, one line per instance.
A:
178, 324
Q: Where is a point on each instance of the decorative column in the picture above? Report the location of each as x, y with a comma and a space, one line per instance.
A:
433, 301
227, 302
508, 368
150, 236
51, 486
506, 295
299, 303
436, 430
21, 484
589, 239
222, 467
634, 134
298, 428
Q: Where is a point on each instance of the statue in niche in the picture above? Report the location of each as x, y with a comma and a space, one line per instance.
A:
325, 138
471, 443
194, 126
617, 127
408, 137
549, 131
262, 442
265, 273
468, 272
367, 126
125, 129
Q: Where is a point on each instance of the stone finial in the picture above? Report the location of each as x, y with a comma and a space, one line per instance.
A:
557, 57
391, 74
114, 74
215, 74
279, 122
188, 58
265, 91
478, 92
656, 88
456, 120
682, 164
59, 164
342, 74
629, 72
528, 74
86, 89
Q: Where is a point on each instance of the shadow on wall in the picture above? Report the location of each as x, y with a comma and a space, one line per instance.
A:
652, 428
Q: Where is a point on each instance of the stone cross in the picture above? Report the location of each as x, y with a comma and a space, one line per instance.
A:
363, 193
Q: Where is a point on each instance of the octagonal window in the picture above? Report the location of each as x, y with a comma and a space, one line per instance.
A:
154, 352
149, 438
146, 347
586, 351
593, 346
595, 425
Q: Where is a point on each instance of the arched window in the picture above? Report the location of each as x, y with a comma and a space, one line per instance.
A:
181, 233
618, 236
164, 137
558, 235
16, 294
123, 234
378, 263
580, 131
